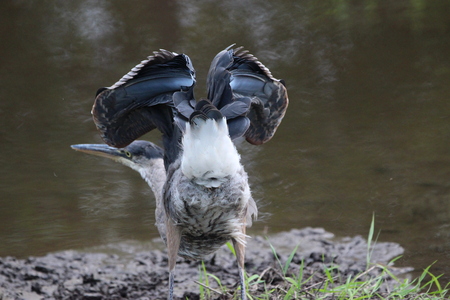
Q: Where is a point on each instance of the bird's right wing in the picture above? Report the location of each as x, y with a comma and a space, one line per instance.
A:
142, 100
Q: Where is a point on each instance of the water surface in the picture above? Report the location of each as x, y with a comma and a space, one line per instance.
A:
367, 130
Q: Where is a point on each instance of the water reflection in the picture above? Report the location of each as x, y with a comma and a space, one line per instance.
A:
87, 25
367, 129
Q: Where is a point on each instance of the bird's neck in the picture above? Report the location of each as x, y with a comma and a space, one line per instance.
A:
155, 175
209, 156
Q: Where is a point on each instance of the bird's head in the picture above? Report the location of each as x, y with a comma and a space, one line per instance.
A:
138, 155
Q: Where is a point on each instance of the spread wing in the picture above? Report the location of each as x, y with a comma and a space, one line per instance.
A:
269, 98
142, 100
245, 92
220, 95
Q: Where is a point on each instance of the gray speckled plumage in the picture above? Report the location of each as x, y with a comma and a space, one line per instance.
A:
207, 217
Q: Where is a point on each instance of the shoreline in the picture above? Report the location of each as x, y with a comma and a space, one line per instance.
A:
127, 271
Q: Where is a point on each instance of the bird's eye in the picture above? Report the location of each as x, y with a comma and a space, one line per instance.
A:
127, 153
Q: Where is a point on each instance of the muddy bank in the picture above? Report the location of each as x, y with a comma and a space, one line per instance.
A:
127, 271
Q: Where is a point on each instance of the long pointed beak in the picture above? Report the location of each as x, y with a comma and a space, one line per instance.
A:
99, 150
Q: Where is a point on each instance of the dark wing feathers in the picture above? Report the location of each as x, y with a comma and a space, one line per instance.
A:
184, 103
158, 92
142, 99
237, 108
269, 99
217, 69
241, 86
218, 80
163, 64
237, 127
221, 94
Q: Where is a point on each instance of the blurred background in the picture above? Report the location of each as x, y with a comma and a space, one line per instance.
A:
367, 130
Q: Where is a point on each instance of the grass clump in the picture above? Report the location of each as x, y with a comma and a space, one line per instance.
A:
292, 279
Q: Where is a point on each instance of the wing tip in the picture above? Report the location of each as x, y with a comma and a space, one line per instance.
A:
242, 53
158, 57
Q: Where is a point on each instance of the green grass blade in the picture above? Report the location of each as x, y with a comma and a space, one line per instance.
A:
369, 240
275, 254
230, 246
289, 260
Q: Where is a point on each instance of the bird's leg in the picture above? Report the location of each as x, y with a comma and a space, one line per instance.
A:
171, 278
173, 244
239, 248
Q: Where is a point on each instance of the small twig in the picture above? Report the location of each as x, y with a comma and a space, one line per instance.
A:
264, 272
211, 289
279, 287
306, 292
365, 272
312, 285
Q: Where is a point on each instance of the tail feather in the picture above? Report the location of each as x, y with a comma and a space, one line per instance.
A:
209, 156
205, 110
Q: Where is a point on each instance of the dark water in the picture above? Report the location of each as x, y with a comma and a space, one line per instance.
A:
367, 131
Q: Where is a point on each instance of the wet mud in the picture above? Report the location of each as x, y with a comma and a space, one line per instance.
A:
126, 271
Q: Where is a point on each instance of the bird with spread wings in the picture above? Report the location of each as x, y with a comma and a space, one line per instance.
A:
203, 198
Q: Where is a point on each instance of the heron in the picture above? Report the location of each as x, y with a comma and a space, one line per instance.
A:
203, 198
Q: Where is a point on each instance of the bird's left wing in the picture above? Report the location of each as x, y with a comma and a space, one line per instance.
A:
246, 93
269, 98
142, 100
221, 94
